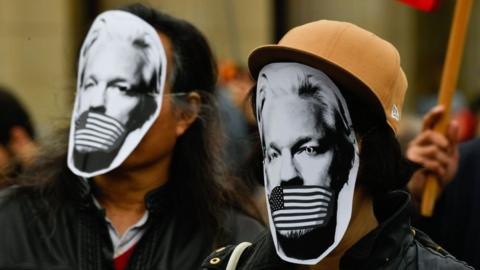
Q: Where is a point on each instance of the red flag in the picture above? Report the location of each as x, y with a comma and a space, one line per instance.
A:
425, 5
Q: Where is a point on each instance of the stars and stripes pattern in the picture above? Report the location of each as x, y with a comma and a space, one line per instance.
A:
300, 207
98, 132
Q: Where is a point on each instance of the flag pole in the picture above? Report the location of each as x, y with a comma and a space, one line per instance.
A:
447, 90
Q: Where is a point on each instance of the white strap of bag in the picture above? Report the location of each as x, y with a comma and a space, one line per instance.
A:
236, 254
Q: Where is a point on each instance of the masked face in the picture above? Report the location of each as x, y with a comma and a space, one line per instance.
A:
310, 160
121, 78
297, 163
102, 124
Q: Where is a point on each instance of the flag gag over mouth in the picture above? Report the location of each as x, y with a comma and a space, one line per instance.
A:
98, 132
310, 160
301, 208
120, 83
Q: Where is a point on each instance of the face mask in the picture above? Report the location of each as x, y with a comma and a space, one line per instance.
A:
310, 160
121, 76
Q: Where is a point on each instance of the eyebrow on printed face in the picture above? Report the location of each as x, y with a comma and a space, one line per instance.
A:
299, 142
123, 84
322, 144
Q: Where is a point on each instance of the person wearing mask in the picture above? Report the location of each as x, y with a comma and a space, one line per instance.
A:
328, 102
141, 183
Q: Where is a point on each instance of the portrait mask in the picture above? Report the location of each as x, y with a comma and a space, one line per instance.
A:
121, 76
310, 160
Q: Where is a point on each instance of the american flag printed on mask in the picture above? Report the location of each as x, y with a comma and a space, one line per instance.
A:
98, 132
300, 207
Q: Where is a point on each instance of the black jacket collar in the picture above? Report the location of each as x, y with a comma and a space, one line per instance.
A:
388, 240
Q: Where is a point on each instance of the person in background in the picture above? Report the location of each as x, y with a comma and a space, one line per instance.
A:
166, 206
236, 116
455, 221
233, 85
17, 137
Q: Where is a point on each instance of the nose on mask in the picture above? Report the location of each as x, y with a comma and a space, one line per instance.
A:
97, 132
296, 208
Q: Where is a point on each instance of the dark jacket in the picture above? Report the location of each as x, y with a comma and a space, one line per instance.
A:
76, 236
392, 245
455, 223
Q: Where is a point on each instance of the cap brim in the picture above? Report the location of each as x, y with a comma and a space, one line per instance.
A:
351, 87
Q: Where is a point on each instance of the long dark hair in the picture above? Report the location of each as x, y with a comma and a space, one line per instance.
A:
198, 171
197, 175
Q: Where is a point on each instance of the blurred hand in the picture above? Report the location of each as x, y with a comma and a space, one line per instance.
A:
435, 152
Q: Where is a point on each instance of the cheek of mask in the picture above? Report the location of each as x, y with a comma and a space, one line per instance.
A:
98, 132
297, 210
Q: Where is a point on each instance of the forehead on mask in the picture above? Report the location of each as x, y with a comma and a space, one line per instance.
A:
303, 89
122, 48
129, 59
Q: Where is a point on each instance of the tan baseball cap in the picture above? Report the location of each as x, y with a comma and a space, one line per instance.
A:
365, 67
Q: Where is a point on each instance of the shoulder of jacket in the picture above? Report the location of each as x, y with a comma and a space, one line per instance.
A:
433, 256
227, 257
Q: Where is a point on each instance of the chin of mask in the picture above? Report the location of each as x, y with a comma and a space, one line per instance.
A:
310, 160
120, 85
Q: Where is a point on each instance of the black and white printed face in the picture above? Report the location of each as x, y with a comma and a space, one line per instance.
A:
119, 91
109, 96
298, 156
300, 111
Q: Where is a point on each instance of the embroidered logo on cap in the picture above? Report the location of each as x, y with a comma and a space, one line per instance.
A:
395, 113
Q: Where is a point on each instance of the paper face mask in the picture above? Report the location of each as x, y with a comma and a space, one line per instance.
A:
121, 76
310, 160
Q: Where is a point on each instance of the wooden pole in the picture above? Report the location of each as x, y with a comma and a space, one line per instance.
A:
447, 90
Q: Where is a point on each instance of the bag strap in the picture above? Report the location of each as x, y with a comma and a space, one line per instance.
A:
236, 254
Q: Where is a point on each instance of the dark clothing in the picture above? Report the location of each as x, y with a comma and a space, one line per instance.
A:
76, 236
455, 223
392, 245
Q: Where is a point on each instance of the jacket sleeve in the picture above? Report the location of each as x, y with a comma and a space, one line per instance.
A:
432, 256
